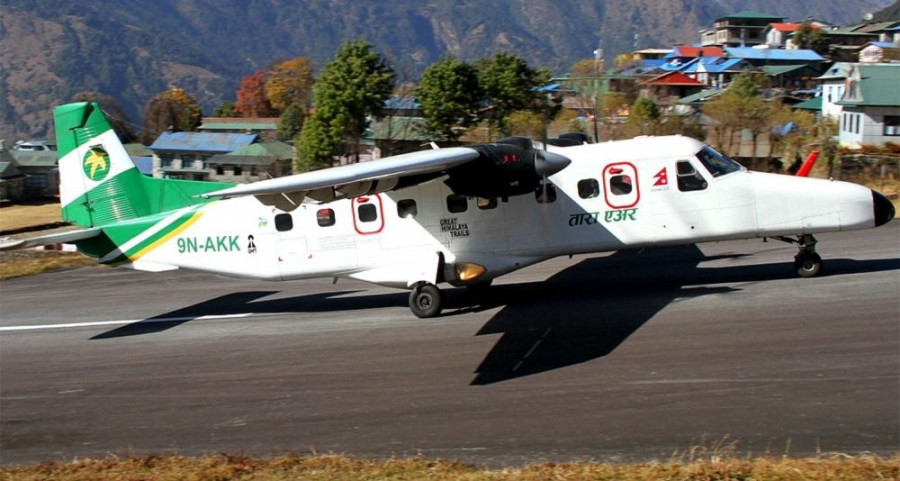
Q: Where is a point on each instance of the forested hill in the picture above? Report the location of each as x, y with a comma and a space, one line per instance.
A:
134, 49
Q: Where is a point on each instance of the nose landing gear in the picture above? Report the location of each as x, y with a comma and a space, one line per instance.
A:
807, 262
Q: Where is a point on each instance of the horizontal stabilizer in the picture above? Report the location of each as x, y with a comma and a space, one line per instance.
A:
58, 238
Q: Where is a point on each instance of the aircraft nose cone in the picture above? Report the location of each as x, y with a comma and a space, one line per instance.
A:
884, 209
548, 163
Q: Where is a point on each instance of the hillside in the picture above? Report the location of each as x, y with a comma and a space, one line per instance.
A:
133, 49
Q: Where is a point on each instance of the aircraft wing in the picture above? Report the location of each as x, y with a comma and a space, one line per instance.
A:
351, 180
58, 238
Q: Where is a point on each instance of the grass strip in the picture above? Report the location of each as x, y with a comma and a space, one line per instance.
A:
832, 467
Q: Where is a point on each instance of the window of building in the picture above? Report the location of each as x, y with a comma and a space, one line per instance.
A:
238, 170
407, 209
220, 170
485, 203
165, 160
36, 181
187, 161
892, 125
688, 177
588, 188
325, 217
367, 212
254, 170
457, 203
545, 193
284, 222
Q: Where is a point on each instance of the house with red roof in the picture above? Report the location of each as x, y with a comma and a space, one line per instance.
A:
667, 88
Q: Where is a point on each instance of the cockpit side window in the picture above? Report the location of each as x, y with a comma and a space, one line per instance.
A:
688, 177
716, 163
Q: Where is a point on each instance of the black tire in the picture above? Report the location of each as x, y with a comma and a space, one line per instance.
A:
808, 265
425, 301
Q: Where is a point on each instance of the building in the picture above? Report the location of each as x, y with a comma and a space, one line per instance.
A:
185, 155
870, 105
265, 127
258, 161
12, 180
742, 29
41, 170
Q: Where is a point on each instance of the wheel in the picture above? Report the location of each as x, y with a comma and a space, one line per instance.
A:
425, 301
808, 264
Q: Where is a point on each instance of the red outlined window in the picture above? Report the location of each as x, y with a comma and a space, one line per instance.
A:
622, 190
368, 214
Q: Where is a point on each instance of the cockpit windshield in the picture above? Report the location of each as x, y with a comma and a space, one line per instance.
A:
716, 163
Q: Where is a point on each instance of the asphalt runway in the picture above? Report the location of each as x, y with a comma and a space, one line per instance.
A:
616, 357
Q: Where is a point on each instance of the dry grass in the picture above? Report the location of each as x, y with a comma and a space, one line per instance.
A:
20, 216
331, 468
30, 261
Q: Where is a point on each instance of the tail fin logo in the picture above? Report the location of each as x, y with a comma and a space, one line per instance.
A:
96, 164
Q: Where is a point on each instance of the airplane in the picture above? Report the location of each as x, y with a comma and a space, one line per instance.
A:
461, 216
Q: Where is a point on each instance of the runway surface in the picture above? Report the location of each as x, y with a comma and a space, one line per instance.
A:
615, 357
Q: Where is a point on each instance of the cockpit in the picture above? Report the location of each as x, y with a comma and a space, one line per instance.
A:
716, 163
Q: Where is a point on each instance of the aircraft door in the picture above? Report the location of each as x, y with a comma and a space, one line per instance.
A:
292, 247
368, 214
622, 190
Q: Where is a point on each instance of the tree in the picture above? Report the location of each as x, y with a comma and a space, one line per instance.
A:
351, 89
317, 145
509, 85
809, 36
450, 96
251, 97
290, 83
291, 122
644, 118
174, 110
226, 109
114, 113
741, 107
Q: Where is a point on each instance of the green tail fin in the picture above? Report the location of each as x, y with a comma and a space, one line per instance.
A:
99, 184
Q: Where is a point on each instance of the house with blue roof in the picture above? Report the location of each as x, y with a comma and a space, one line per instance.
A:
185, 155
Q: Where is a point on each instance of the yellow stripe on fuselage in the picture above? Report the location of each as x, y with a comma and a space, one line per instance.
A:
178, 230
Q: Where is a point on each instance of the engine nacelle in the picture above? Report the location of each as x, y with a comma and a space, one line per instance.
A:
508, 167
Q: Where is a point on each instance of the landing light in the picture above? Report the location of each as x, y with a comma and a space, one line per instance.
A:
468, 271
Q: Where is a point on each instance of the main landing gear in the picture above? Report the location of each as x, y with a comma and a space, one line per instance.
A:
425, 300
807, 262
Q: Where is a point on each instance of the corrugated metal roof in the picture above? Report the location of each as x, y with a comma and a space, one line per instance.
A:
814, 103
201, 142
674, 78
700, 96
877, 86
775, 70
279, 150
750, 15
798, 55
35, 158
138, 150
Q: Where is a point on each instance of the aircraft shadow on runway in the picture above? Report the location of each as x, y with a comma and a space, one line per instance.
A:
579, 314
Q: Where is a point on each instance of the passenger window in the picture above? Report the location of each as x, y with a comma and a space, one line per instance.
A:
406, 208
325, 217
620, 184
284, 222
545, 193
367, 213
588, 188
688, 177
457, 203
485, 203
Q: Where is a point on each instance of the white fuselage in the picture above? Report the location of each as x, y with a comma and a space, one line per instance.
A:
612, 196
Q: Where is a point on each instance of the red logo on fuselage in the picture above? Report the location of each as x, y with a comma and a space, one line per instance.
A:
662, 177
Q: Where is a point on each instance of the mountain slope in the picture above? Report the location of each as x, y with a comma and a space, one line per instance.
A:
134, 49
